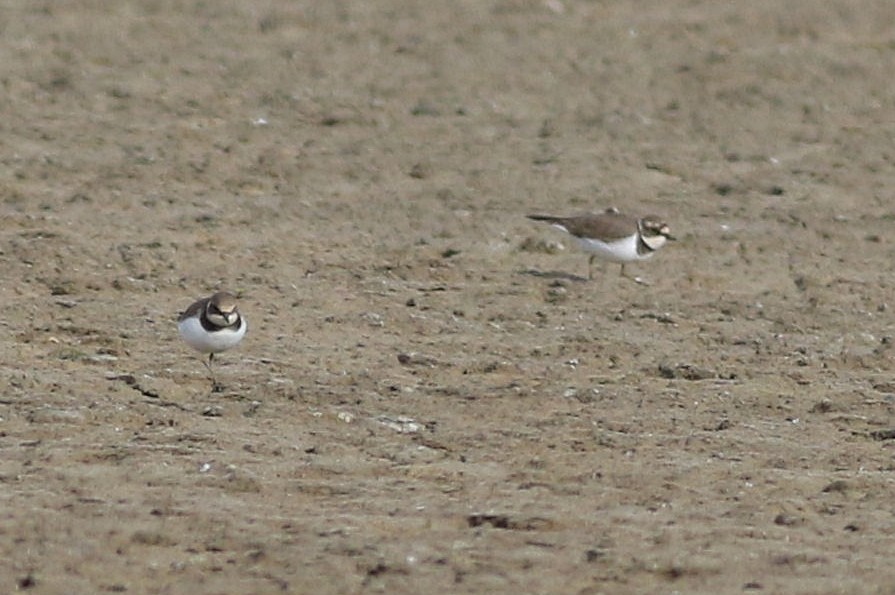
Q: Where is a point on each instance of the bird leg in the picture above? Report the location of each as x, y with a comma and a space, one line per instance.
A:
215, 387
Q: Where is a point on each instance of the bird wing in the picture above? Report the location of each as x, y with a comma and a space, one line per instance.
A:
194, 309
608, 226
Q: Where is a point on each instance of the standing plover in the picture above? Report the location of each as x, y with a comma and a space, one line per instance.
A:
212, 325
613, 236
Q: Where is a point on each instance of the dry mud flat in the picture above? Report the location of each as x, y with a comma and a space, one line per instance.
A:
430, 398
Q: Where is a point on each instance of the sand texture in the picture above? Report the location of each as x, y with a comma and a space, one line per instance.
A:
432, 397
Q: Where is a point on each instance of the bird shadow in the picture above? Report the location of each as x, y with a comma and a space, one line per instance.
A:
554, 275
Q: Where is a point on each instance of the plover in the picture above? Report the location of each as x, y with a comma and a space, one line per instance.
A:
613, 236
212, 325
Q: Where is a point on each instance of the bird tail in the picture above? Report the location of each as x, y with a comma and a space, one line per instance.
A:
547, 218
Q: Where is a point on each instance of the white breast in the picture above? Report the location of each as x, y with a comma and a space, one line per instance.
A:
198, 338
623, 250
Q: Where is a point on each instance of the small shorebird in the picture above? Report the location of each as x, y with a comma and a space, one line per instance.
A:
613, 236
212, 325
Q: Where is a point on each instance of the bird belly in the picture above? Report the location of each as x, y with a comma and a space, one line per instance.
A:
210, 342
623, 250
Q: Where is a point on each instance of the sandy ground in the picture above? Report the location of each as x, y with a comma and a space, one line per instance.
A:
431, 398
